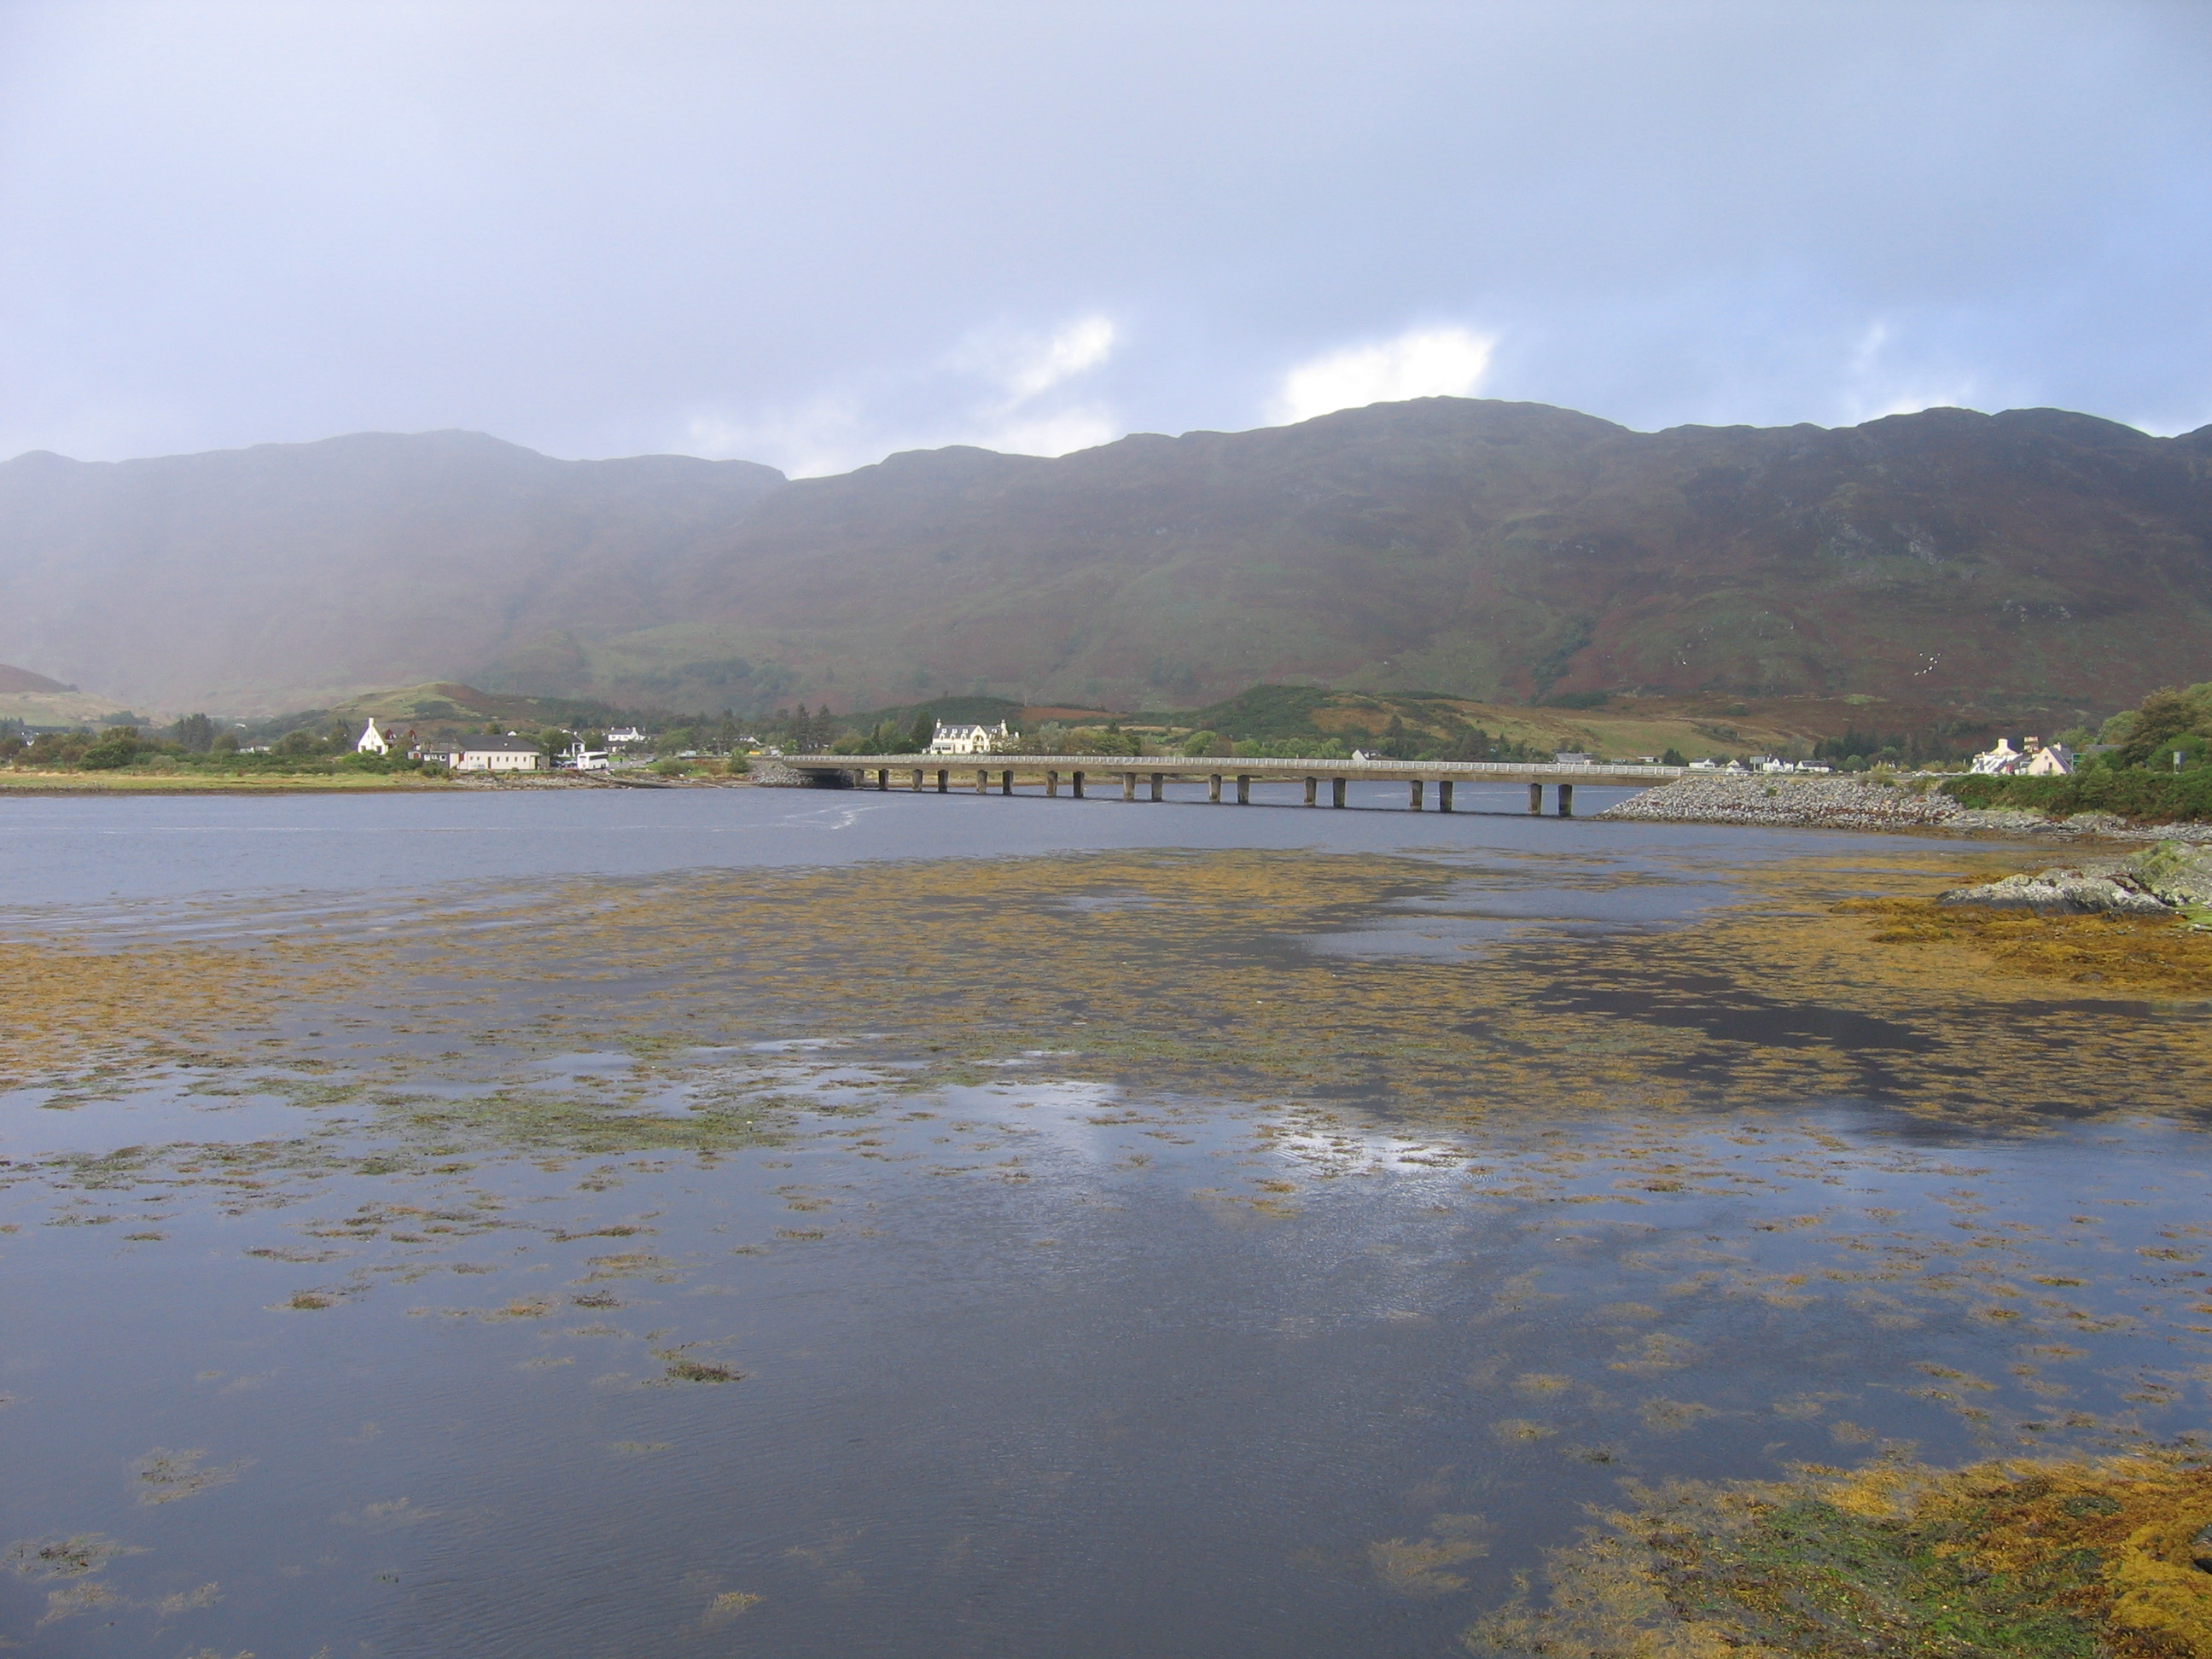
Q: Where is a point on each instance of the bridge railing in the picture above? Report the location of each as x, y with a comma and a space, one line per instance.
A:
1248, 766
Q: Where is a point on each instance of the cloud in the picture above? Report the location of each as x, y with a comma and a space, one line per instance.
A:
1873, 387
1000, 389
1026, 366
1422, 362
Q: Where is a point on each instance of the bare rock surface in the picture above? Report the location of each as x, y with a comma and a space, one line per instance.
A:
2167, 880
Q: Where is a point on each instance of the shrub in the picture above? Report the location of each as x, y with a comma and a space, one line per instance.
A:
2149, 797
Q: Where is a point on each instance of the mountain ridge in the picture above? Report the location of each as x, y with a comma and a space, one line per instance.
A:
1499, 550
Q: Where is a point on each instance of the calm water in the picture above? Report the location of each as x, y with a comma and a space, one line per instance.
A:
566, 1243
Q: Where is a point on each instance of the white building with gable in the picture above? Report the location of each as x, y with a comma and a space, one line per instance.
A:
373, 742
970, 739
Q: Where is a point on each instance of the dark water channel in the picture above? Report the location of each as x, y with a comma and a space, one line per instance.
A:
1022, 1361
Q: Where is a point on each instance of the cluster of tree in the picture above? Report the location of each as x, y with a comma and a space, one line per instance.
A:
1860, 751
2170, 731
2158, 770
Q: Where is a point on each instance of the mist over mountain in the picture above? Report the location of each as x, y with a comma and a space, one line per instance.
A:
1498, 550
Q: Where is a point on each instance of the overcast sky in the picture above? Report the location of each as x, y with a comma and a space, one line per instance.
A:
811, 234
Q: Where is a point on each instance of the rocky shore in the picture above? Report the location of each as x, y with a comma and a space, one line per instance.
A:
2170, 879
1860, 802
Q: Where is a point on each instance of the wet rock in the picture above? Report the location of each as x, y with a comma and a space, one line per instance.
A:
2062, 892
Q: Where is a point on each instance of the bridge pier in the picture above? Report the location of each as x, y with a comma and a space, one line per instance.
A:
1443, 794
1213, 788
1128, 785
1414, 792
1052, 783
1536, 801
944, 780
1312, 785
1336, 792
1566, 800
982, 779
1075, 785
917, 780
1243, 790
1159, 782
1005, 783
882, 778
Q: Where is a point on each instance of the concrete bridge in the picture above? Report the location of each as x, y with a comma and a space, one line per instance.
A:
1083, 775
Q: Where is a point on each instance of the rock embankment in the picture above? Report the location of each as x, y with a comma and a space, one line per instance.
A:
2169, 879
1860, 802
1830, 803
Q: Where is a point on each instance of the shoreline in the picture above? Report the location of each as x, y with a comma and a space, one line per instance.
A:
1853, 802
77, 783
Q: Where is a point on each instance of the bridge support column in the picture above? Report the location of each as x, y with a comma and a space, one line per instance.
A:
1537, 799
1052, 783
1312, 786
1243, 791
917, 780
882, 778
1075, 785
1336, 792
1566, 800
1213, 788
1159, 783
943, 781
1005, 783
1128, 785
1414, 792
982, 779
1443, 796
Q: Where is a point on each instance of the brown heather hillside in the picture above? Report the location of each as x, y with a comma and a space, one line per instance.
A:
2031, 560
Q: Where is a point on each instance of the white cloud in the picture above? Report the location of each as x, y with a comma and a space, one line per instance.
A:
1422, 362
1026, 366
1874, 388
999, 389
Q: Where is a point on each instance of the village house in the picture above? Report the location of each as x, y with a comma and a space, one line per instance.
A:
2033, 759
373, 742
507, 754
970, 739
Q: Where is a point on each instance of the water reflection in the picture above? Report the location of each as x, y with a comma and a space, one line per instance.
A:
1154, 1250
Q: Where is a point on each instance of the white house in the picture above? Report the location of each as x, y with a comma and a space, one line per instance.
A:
624, 736
970, 739
497, 754
2047, 760
373, 742
2001, 762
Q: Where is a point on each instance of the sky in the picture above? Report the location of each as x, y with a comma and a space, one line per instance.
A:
811, 234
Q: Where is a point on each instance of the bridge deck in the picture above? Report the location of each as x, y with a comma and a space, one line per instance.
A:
1172, 766
918, 771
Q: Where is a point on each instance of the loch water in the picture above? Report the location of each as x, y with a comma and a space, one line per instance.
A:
836, 1224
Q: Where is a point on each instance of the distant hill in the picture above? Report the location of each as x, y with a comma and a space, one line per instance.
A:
20, 680
1507, 553
36, 701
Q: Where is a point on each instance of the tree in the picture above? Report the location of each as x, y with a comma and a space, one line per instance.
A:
194, 734
2164, 718
1674, 757
925, 730
119, 747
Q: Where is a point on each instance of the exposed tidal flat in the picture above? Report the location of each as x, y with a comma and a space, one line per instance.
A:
750, 1221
